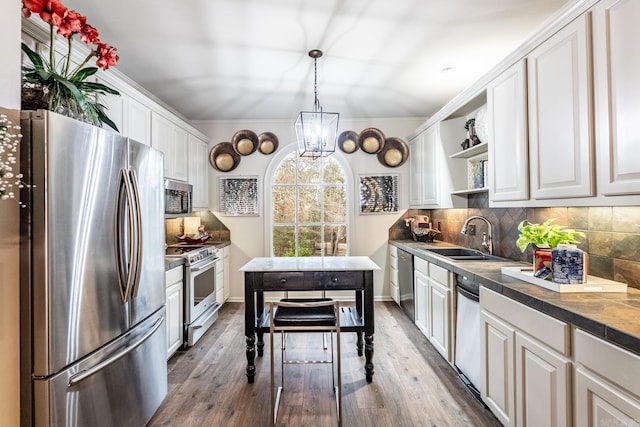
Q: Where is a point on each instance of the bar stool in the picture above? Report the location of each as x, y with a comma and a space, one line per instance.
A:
304, 315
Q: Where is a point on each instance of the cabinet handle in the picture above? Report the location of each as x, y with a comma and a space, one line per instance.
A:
334, 279
283, 280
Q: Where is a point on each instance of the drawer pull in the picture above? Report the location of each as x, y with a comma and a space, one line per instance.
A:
283, 280
334, 279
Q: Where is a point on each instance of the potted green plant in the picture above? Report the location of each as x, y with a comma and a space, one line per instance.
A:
56, 84
544, 237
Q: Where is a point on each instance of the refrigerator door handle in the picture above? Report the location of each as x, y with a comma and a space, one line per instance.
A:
86, 373
132, 235
138, 233
122, 236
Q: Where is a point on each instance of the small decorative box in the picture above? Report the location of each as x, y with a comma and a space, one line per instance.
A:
568, 265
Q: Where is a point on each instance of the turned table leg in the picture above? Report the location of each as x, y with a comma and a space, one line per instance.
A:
251, 358
368, 353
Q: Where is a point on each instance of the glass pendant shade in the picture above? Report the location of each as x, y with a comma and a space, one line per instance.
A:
317, 133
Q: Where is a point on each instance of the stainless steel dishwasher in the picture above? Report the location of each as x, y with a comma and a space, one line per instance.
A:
405, 283
467, 353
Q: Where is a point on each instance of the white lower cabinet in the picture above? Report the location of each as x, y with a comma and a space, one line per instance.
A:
174, 309
527, 372
607, 383
394, 290
543, 389
226, 256
421, 285
220, 280
496, 352
439, 312
434, 304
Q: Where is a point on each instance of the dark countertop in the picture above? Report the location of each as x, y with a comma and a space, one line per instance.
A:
173, 262
614, 317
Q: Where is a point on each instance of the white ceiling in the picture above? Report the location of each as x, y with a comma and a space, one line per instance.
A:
247, 59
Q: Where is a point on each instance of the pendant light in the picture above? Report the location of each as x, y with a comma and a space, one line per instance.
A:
316, 130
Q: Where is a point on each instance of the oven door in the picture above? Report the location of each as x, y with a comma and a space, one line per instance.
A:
201, 308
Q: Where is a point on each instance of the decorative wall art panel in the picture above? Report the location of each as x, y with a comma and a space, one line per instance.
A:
378, 194
239, 196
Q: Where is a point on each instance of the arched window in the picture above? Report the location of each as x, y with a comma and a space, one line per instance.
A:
309, 207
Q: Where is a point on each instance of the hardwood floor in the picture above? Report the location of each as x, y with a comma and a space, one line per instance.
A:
412, 384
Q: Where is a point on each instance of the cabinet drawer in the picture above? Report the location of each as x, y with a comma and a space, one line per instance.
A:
609, 361
421, 265
545, 329
278, 280
439, 274
339, 279
172, 276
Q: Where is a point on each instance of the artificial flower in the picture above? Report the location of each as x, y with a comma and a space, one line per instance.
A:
66, 87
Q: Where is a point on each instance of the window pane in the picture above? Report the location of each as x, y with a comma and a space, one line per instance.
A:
309, 241
286, 172
284, 243
309, 203
332, 172
284, 204
335, 237
309, 170
335, 204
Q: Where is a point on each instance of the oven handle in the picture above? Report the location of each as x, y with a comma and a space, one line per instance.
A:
203, 267
462, 291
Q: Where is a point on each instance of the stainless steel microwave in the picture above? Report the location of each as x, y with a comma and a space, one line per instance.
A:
177, 198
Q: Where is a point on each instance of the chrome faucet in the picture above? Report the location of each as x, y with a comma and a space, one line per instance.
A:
487, 242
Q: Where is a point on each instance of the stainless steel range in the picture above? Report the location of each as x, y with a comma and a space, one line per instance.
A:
200, 305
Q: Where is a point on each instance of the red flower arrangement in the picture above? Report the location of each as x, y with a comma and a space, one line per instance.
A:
66, 88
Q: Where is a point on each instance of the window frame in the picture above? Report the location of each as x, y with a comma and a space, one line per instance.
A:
268, 183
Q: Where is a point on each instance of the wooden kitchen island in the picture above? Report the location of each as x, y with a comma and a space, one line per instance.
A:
278, 274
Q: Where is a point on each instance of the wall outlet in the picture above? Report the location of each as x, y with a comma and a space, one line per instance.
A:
471, 229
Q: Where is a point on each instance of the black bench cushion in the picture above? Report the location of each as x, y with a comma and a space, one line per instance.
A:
304, 316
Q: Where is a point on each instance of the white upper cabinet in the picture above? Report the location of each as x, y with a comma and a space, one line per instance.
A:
136, 120
560, 131
114, 106
416, 155
431, 183
507, 125
198, 171
172, 140
180, 152
617, 95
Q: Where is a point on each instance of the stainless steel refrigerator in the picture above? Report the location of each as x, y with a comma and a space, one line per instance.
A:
93, 340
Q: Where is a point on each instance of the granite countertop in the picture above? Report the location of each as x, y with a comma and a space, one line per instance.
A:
349, 263
614, 317
173, 261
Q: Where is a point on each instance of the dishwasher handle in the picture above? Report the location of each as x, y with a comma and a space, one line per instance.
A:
467, 294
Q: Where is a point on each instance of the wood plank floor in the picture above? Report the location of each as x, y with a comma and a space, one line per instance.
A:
412, 384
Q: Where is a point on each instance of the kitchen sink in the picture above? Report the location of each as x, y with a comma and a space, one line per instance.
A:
464, 254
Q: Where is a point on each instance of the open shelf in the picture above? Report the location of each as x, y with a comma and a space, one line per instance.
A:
470, 152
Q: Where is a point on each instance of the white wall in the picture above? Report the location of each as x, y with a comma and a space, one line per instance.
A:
369, 233
9, 298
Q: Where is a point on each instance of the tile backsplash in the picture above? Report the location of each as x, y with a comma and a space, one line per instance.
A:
174, 227
612, 233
